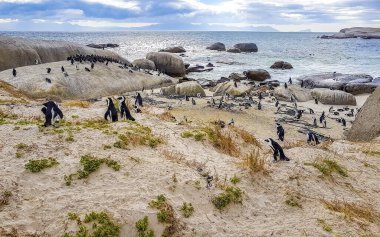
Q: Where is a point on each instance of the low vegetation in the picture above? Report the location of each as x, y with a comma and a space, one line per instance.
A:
325, 226
137, 135
327, 167
23, 148
235, 179
36, 166
142, 228
247, 137
4, 198
254, 163
187, 209
90, 164
230, 195
77, 103
94, 224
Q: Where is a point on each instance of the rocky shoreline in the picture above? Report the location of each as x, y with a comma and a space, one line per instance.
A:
355, 32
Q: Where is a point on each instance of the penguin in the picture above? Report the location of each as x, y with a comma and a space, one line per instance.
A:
136, 109
209, 180
322, 117
72, 61
299, 113
278, 152
290, 81
139, 100
344, 123
311, 111
87, 69
316, 101
277, 103
232, 123
301, 83
235, 84
92, 65
286, 85
260, 96
315, 122
312, 138
331, 109
186, 98
280, 132
62, 69
48, 70
47, 80
14, 72
259, 106
193, 101
124, 111
111, 112
51, 111
213, 101
324, 123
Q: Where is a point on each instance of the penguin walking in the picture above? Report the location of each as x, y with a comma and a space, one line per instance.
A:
14, 72
111, 112
52, 112
290, 81
278, 152
124, 111
280, 132
139, 101
312, 138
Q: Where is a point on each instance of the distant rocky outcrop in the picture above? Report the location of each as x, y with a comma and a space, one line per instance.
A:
190, 88
246, 47
103, 46
217, 46
333, 97
144, 64
355, 32
281, 65
366, 125
75, 83
18, 52
176, 49
257, 75
168, 63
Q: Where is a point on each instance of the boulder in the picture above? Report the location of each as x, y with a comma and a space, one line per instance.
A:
366, 125
355, 32
300, 94
234, 50
246, 47
167, 91
281, 65
144, 64
191, 88
18, 52
210, 65
198, 68
217, 46
357, 89
273, 83
229, 87
237, 76
176, 49
333, 97
168, 63
331, 80
103, 46
257, 75
206, 83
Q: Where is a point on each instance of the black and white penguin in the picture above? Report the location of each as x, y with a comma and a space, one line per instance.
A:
72, 61
312, 138
52, 112
280, 132
62, 69
48, 70
213, 101
277, 103
193, 101
311, 111
136, 109
14, 72
111, 112
235, 84
299, 113
260, 96
315, 122
278, 152
87, 69
322, 117
316, 101
139, 101
259, 105
290, 81
92, 65
186, 98
286, 85
344, 123
232, 123
124, 111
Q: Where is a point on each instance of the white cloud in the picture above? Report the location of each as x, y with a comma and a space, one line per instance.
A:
7, 20
21, 1
110, 24
72, 11
37, 21
293, 16
129, 5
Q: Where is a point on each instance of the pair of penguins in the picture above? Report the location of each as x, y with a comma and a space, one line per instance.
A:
111, 112
278, 152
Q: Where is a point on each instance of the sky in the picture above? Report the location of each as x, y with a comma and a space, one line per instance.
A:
205, 15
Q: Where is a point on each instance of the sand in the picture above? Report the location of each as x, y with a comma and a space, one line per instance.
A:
41, 201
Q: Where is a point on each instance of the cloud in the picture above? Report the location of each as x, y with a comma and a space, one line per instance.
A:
110, 24
72, 11
129, 5
22, 1
7, 20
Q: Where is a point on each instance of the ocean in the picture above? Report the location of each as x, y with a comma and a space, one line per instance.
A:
305, 51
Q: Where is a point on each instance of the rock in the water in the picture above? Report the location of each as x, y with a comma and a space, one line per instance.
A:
257, 75
355, 32
210, 65
191, 88
234, 50
144, 64
366, 125
176, 49
246, 47
168, 63
300, 94
217, 46
103, 46
281, 65
237, 76
18, 52
229, 87
333, 97
198, 68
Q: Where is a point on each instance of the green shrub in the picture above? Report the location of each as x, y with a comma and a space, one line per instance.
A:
235, 179
230, 195
137, 135
327, 167
187, 209
36, 166
142, 228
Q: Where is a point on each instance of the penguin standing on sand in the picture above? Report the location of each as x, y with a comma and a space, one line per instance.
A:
259, 105
111, 112
124, 111
51, 111
315, 122
290, 81
92, 65
278, 152
277, 103
316, 101
14, 72
286, 85
193, 101
323, 117
280, 132
260, 96
139, 101
62, 69
344, 123
312, 138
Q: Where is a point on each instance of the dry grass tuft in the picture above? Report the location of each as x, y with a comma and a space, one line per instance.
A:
166, 116
328, 166
11, 90
371, 149
77, 103
325, 145
254, 163
179, 158
353, 211
246, 136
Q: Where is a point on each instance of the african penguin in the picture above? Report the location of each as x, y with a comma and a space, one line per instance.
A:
278, 152
139, 100
193, 101
312, 138
316, 101
280, 132
62, 69
51, 111
48, 70
111, 112
290, 81
259, 105
14, 72
124, 111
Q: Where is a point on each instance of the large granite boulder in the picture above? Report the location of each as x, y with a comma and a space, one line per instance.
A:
234, 50
144, 64
300, 94
18, 52
198, 68
246, 47
229, 87
168, 63
333, 97
366, 125
281, 65
364, 88
355, 32
257, 75
237, 76
217, 46
176, 49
